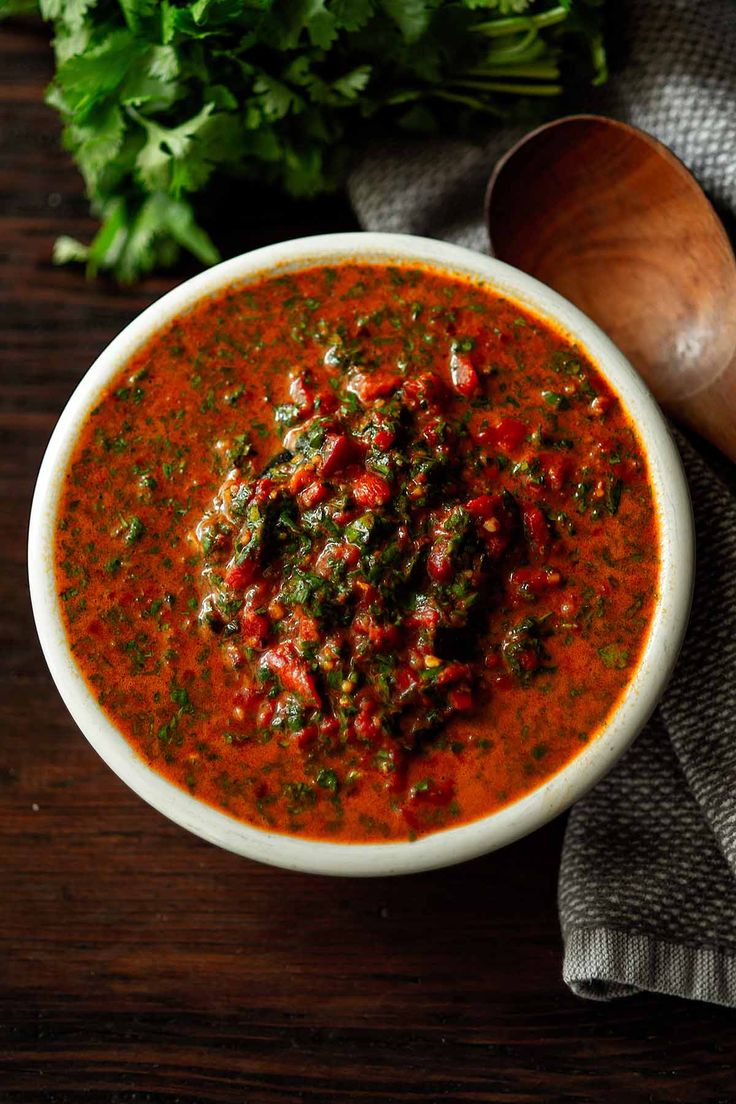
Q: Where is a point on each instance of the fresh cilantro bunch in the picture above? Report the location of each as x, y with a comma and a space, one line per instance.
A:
157, 96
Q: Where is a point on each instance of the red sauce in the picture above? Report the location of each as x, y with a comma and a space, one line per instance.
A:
358, 553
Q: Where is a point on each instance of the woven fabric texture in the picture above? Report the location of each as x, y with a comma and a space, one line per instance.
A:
647, 888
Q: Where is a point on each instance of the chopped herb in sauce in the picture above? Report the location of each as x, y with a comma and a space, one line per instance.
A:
382, 563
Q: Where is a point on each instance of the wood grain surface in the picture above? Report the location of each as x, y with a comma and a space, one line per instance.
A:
138, 965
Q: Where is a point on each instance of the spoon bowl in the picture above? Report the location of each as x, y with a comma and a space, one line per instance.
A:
608, 216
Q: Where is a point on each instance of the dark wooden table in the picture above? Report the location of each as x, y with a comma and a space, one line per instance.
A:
138, 965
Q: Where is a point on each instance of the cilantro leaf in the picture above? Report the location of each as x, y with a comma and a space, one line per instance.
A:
159, 98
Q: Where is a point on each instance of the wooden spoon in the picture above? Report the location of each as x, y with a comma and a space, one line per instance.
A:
608, 216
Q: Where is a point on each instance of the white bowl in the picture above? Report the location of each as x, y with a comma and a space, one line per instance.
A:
454, 844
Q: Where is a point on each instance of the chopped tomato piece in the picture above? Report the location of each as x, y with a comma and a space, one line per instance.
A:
430, 792
502, 682
460, 699
239, 575
254, 628
555, 468
367, 724
531, 581
383, 637
439, 563
384, 438
424, 391
265, 713
464, 376
535, 527
301, 477
406, 680
348, 553
312, 495
262, 489
326, 401
248, 699
600, 405
506, 436
484, 506
307, 628
528, 660
306, 736
302, 394
432, 432
452, 672
292, 672
337, 452
375, 385
396, 782
371, 490
424, 616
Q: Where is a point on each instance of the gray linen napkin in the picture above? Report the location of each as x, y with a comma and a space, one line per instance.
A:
647, 889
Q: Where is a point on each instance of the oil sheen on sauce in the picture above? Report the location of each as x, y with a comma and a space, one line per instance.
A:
358, 553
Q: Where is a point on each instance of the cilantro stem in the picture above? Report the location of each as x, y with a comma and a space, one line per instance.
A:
509, 86
498, 28
541, 70
468, 101
528, 41
528, 48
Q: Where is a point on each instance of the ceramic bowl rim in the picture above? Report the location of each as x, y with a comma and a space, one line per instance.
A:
452, 845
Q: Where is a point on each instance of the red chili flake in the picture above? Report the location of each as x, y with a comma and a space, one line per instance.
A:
371, 490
